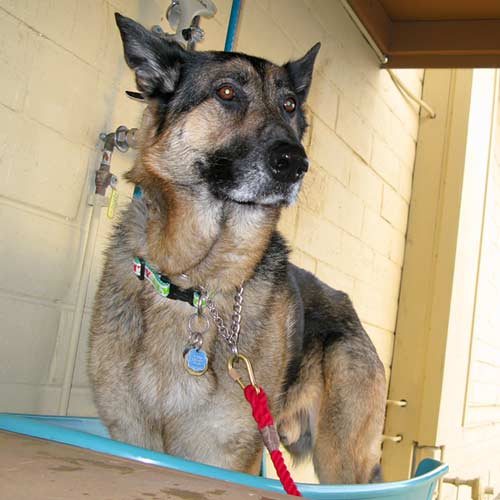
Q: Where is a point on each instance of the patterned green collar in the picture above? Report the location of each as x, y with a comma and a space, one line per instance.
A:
164, 286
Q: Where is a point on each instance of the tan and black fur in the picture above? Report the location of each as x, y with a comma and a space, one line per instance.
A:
215, 174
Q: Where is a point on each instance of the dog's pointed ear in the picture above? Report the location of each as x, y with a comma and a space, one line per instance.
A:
156, 61
300, 71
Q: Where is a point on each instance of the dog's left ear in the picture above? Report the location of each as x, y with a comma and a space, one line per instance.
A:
300, 71
156, 62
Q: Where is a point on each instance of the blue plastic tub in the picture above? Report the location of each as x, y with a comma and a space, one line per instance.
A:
89, 433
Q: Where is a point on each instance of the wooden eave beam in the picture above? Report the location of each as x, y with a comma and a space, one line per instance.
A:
431, 44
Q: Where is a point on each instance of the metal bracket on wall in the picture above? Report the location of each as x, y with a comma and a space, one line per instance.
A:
398, 403
184, 17
477, 489
416, 446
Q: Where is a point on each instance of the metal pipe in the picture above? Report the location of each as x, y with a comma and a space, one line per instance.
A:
401, 403
382, 57
191, 43
394, 439
476, 486
121, 139
399, 83
233, 25
79, 310
103, 174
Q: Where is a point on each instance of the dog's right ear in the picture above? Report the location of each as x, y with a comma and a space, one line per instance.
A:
156, 62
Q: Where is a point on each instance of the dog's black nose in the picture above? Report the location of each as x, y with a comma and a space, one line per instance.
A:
288, 161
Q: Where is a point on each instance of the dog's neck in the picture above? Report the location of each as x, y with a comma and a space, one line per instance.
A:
198, 240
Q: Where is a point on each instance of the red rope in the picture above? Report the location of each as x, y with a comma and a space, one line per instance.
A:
263, 417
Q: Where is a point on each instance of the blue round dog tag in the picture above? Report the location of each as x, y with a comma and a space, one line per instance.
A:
195, 361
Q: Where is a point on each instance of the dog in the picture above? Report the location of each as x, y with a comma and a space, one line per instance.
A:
196, 272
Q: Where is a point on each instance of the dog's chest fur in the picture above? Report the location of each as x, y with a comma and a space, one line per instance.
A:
161, 380
151, 332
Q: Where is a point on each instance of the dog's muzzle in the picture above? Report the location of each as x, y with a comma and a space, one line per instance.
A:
288, 161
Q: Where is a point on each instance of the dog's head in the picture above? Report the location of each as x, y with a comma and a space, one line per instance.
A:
225, 120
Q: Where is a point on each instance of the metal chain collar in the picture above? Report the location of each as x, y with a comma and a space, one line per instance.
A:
231, 335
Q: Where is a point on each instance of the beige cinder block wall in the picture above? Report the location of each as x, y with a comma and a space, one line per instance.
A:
62, 83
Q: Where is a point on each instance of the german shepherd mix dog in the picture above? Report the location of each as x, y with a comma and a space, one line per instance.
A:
220, 156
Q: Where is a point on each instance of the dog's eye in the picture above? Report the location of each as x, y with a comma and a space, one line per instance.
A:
226, 92
289, 105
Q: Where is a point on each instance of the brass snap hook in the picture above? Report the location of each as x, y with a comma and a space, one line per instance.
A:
235, 374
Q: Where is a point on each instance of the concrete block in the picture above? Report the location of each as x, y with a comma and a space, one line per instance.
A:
314, 195
80, 378
42, 254
20, 398
325, 11
354, 61
296, 19
110, 108
68, 23
224, 11
330, 152
355, 258
111, 61
17, 47
398, 244
98, 259
317, 237
377, 233
383, 341
41, 168
366, 184
394, 209
343, 208
271, 43
304, 261
56, 21
111, 55
375, 308
397, 101
405, 182
334, 277
404, 144
60, 91
215, 34
82, 402
89, 48
386, 276
412, 79
129, 8
323, 100
372, 108
24, 10
344, 73
354, 130
326, 58
385, 162
288, 222
27, 341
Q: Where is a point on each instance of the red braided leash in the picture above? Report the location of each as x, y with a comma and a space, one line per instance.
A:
264, 419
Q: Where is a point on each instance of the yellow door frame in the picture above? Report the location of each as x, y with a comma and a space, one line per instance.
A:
435, 316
